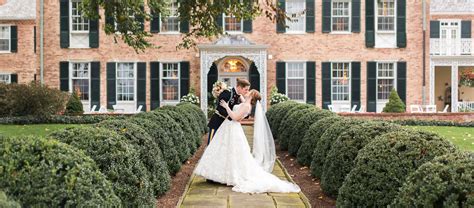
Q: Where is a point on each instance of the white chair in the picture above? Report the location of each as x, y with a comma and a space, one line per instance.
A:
139, 109
117, 109
445, 110
416, 109
361, 109
353, 110
103, 109
92, 110
331, 108
430, 109
344, 108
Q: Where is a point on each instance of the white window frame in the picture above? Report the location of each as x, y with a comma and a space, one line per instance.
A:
289, 30
304, 79
71, 22
9, 38
172, 16
394, 79
71, 78
232, 32
349, 28
394, 18
134, 83
9, 81
161, 83
349, 77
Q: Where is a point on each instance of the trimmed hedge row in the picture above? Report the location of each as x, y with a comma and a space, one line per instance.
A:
5, 201
59, 119
433, 123
286, 128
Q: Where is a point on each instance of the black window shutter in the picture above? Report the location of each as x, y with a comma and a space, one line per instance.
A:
402, 80
311, 82
326, 16
154, 85
14, 39
219, 21
355, 84
212, 77
94, 33
466, 28
434, 29
155, 23
310, 16
95, 83
371, 87
183, 26
141, 19
141, 85
281, 77
281, 26
13, 78
254, 77
401, 24
109, 19
326, 84
64, 76
34, 39
111, 94
247, 27
64, 23
184, 78
369, 24
355, 16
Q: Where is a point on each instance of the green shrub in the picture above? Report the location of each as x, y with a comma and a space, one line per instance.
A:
286, 128
309, 117
201, 117
446, 181
6, 202
116, 158
340, 159
412, 122
311, 138
395, 104
276, 97
382, 166
190, 98
165, 143
322, 147
59, 119
280, 110
190, 121
38, 172
74, 105
189, 133
150, 152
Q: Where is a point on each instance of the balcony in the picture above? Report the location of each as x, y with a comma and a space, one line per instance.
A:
442, 47
452, 7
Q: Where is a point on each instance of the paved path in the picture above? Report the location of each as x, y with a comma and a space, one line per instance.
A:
199, 193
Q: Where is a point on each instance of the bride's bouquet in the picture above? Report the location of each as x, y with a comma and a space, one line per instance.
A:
218, 88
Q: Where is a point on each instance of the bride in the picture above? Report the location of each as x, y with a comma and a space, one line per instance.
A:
228, 160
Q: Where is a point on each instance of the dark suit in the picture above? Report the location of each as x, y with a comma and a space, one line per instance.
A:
216, 120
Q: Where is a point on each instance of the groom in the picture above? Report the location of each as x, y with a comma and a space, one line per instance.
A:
233, 98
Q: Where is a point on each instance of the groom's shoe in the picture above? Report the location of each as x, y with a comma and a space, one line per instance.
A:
211, 181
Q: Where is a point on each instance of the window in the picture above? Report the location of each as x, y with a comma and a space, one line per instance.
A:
171, 22
340, 81
232, 24
295, 81
295, 9
170, 82
78, 22
385, 80
341, 16
386, 15
125, 81
5, 78
80, 79
4, 38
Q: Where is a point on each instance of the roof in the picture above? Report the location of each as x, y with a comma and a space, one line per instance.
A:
18, 10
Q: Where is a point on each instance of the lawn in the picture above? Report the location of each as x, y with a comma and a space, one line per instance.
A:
463, 137
37, 129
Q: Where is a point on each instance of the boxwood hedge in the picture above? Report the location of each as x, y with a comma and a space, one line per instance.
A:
201, 117
190, 121
382, 166
116, 158
40, 172
181, 120
446, 181
149, 150
6, 202
280, 112
340, 159
305, 153
286, 129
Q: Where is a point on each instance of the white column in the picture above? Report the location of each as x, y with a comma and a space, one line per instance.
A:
454, 87
203, 56
432, 82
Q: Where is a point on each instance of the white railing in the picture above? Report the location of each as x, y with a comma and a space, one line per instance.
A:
440, 47
452, 6
466, 106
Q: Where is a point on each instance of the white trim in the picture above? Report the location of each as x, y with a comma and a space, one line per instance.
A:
349, 31
9, 77
232, 32
161, 84
393, 40
349, 84
304, 79
134, 83
179, 22
88, 78
395, 69
9, 26
295, 32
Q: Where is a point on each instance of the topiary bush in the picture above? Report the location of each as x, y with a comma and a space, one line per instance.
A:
188, 133
286, 129
38, 172
280, 111
74, 105
116, 158
190, 122
166, 144
201, 117
382, 166
340, 159
311, 138
395, 104
6, 202
446, 181
149, 150
310, 116
325, 142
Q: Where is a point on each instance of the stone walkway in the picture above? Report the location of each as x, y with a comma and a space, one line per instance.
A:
199, 193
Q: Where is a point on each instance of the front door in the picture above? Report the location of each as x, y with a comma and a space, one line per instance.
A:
450, 38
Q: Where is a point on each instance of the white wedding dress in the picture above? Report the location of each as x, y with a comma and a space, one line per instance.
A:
228, 160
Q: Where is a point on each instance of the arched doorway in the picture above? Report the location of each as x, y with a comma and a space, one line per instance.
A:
231, 68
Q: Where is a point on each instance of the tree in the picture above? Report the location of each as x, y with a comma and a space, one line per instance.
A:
201, 15
395, 104
74, 105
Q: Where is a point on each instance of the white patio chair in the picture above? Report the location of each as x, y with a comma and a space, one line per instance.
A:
361, 109
353, 110
331, 108
139, 109
92, 110
430, 109
103, 109
416, 109
445, 110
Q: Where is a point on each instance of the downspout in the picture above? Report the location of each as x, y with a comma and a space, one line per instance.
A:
41, 41
423, 93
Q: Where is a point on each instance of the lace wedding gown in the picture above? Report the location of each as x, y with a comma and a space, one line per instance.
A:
228, 160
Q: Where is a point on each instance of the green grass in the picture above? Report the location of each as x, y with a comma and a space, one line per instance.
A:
463, 137
37, 129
